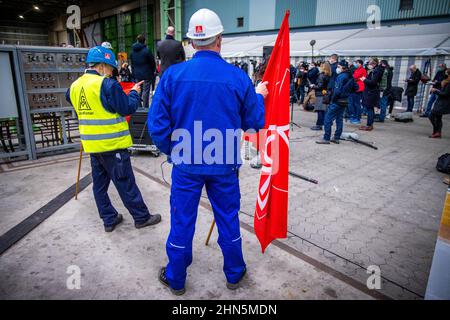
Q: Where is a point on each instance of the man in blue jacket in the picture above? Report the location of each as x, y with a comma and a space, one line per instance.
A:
195, 113
344, 85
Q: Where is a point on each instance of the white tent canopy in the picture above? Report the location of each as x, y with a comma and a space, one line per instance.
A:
399, 40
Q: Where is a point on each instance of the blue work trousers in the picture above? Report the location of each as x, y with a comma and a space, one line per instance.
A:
116, 166
334, 112
224, 196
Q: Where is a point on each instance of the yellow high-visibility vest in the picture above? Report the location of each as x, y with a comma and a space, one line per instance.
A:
100, 130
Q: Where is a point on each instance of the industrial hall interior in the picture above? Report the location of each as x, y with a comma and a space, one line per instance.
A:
260, 150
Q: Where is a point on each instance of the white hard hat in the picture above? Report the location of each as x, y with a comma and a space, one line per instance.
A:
107, 45
204, 25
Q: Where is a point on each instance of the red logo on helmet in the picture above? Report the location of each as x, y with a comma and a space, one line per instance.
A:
198, 29
107, 56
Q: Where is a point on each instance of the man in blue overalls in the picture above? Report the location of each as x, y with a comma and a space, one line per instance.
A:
197, 104
101, 106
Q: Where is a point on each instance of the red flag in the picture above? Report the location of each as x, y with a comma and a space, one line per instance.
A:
127, 86
272, 204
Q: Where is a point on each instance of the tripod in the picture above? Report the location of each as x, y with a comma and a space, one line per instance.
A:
292, 123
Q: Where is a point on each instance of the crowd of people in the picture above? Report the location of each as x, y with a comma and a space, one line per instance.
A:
340, 89
143, 65
334, 89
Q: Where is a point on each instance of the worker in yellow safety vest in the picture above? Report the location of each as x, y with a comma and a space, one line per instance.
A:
101, 106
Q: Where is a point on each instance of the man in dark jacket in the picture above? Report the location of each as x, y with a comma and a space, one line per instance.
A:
333, 60
313, 73
170, 51
143, 66
385, 86
442, 105
371, 94
293, 73
344, 85
311, 76
302, 82
438, 78
413, 85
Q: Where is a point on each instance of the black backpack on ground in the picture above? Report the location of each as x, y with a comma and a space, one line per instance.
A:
443, 164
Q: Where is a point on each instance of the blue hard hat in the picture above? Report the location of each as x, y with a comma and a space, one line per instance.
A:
101, 54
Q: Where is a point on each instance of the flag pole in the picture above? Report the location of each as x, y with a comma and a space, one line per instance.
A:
210, 231
79, 170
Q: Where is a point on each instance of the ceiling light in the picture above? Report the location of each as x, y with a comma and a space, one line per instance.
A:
21, 16
35, 7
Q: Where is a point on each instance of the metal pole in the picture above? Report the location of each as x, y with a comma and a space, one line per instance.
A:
303, 177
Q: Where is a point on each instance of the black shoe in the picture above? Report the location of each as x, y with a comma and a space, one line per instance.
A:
316, 128
423, 116
335, 141
323, 141
154, 219
164, 281
234, 286
112, 227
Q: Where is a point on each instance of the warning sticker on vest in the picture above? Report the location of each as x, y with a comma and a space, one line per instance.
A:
83, 105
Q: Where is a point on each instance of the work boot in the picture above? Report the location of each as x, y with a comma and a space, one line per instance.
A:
323, 141
366, 128
113, 226
154, 219
335, 141
436, 135
234, 286
163, 279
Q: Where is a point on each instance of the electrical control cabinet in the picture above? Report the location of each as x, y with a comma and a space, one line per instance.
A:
43, 75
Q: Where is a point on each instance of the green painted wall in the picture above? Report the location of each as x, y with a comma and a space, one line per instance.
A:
132, 28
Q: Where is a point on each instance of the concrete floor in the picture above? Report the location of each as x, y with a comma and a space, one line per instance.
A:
125, 263
370, 207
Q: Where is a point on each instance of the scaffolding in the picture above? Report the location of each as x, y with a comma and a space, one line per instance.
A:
144, 17
121, 31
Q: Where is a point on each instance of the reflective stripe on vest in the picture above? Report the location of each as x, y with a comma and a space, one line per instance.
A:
100, 130
97, 122
104, 136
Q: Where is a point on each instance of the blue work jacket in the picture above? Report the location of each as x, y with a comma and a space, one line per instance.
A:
196, 107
